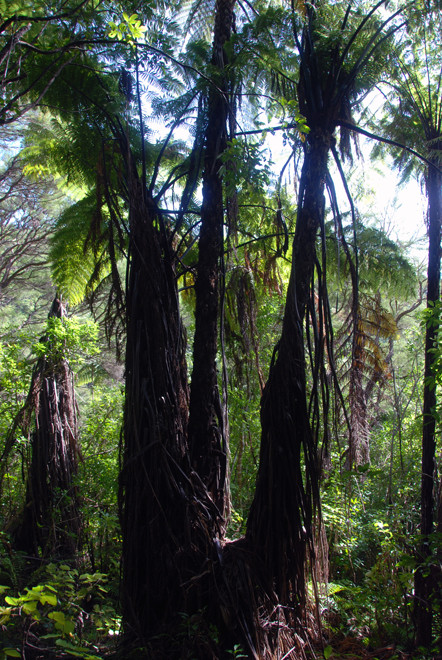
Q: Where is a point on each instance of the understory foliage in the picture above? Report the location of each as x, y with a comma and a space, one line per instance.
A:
224, 440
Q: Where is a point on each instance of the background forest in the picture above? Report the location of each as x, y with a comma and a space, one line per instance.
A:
219, 346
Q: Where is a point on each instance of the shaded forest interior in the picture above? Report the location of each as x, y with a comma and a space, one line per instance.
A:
219, 348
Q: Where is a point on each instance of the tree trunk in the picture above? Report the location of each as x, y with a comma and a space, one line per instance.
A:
172, 483
359, 437
424, 585
51, 525
152, 501
280, 521
167, 517
207, 433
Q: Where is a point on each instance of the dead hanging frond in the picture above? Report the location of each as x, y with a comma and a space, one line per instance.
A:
241, 305
364, 364
376, 320
267, 269
346, 135
282, 230
240, 321
376, 327
282, 85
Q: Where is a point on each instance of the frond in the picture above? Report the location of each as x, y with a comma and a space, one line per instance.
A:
60, 150
74, 266
382, 264
91, 373
200, 19
375, 320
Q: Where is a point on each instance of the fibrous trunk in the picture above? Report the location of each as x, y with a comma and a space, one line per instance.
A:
153, 509
167, 518
172, 483
51, 524
280, 520
359, 440
207, 429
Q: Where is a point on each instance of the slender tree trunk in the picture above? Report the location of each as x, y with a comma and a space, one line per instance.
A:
424, 579
280, 520
51, 525
359, 441
207, 432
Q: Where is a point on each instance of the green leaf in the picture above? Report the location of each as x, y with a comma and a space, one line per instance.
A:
61, 623
12, 653
76, 651
5, 615
30, 607
37, 590
328, 652
48, 598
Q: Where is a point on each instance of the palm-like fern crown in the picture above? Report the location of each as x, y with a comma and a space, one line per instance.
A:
336, 47
413, 92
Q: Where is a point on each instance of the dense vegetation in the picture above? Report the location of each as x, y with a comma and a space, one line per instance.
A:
219, 366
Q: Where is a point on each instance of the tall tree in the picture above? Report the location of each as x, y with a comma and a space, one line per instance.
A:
27, 210
334, 71
174, 472
417, 110
207, 425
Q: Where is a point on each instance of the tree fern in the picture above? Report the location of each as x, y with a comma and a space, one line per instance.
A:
382, 262
73, 261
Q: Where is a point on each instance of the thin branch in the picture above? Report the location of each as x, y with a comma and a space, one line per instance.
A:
21, 18
394, 143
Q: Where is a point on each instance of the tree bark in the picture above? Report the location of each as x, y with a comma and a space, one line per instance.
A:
207, 432
51, 525
424, 584
208, 440
279, 526
153, 506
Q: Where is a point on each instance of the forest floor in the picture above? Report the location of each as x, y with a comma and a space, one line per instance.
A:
355, 648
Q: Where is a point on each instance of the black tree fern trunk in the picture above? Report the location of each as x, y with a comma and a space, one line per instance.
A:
167, 517
153, 510
173, 472
424, 578
280, 520
207, 432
